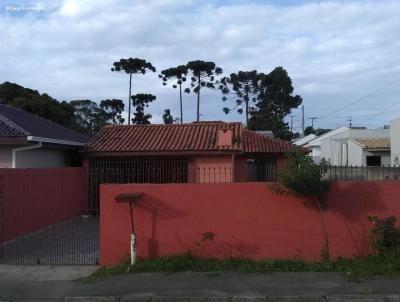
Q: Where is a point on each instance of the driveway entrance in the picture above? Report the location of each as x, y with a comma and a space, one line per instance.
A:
74, 241
45, 218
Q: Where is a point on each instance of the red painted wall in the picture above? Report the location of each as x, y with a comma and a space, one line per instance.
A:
34, 198
249, 220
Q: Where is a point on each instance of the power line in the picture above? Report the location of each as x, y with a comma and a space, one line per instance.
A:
380, 112
362, 98
349, 110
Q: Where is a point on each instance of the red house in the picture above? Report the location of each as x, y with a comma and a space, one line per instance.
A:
200, 152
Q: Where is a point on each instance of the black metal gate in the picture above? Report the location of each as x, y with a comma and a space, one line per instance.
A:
33, 234
262, 171
124, 169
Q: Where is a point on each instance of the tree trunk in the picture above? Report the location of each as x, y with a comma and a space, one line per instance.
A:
129, 99
246, 99
198, 99
180, 99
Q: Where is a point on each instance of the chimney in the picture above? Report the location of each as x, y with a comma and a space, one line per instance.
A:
224, 137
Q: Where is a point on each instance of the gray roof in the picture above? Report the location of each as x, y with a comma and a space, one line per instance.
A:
16, 123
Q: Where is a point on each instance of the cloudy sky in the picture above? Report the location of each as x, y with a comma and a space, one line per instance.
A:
343, 56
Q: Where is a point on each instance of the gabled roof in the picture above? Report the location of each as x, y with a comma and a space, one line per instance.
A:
374, 144
304, 140
19, 124
181, 138
317, 141
9, 130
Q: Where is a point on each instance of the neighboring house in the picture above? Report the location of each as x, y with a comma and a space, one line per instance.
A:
356, 146
29, 141
195, 152
304, 140
395, 142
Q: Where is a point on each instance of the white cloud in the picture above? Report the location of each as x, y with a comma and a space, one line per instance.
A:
334, 51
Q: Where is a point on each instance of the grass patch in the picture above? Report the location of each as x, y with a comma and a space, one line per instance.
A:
356, 267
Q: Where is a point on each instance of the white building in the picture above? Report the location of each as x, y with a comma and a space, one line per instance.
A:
395, 141
354, 146
305, 140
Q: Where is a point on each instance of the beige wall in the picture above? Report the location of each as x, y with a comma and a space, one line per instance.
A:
355, 153
36, 158
5, 157
42, 158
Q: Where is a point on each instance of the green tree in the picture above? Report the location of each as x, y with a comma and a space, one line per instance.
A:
132, 66
140, 101
41, 104
177, 75
319, 131
114, 109
275, 102
89, 117
309, 130
202, 74
245, 88
167, 117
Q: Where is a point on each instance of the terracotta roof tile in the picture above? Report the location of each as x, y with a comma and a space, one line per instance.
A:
193, 137
374, 144
254, 142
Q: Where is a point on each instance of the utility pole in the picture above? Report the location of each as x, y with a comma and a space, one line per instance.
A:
350, 120
312, 121
291, 123
302, 119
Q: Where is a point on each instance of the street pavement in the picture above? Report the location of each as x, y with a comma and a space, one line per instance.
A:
61, 283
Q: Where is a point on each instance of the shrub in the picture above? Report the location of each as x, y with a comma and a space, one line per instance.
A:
305, 177
384, 235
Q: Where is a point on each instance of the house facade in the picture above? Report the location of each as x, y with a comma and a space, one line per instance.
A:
395, 142
355, 146
200, 152
29, 141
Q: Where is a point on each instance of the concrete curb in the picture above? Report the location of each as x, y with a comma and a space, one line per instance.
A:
318, 298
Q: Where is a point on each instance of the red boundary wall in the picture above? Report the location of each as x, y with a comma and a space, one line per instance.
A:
249, 219
31, 199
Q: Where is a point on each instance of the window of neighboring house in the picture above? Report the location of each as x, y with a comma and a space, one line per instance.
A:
373, 161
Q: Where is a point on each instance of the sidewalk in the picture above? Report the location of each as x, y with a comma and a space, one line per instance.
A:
221, 287
196, 287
